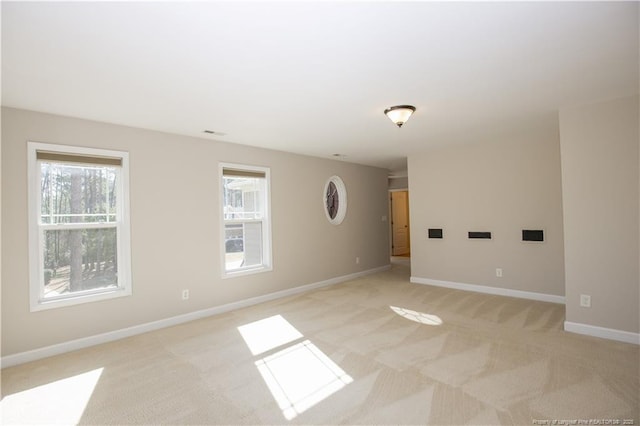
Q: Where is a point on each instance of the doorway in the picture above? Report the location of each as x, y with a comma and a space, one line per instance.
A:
400, 235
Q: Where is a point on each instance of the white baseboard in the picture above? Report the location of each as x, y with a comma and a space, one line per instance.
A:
605, 333
491, 290
60, 348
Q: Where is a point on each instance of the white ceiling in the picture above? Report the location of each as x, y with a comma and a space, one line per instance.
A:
315, 77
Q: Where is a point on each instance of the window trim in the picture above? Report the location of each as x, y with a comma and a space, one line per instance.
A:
267, 263
36, 229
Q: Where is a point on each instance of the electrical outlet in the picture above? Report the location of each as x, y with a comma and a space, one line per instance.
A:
357, 260
185, 294
499, 272
585, 300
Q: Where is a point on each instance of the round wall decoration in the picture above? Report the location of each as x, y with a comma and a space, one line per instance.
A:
334, 200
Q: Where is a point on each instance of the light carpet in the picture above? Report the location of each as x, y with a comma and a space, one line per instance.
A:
375, 350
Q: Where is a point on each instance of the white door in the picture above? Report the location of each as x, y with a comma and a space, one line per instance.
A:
400, 222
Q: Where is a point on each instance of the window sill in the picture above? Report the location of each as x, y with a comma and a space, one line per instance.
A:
42, 305
248, 271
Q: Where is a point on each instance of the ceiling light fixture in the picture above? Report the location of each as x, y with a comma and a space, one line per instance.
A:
399, 114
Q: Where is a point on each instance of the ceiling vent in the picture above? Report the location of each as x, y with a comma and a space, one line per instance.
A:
211, 132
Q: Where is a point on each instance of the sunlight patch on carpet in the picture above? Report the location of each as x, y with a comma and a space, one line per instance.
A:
59, 402
298, 375
415, 316
301, 376
269, 333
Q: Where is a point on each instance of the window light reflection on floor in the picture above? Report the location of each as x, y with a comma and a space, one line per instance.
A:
59, 402
269, 333
299, 375
416, 316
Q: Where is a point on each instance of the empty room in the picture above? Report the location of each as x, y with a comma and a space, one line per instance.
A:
320, 212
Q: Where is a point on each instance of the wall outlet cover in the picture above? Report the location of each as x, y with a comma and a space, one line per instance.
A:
585, 300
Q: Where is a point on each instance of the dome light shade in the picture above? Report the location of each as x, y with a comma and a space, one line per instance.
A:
399, 114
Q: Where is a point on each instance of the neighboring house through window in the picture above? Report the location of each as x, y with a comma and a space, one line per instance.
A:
78, 225
245, 219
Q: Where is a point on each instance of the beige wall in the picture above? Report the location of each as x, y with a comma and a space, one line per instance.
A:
600, 180
503, 187
398, 183
175, 227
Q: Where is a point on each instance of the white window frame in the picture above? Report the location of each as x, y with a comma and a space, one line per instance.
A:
266, 222
36, 230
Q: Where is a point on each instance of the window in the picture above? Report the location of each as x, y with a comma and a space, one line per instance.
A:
245, 219
78, 225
